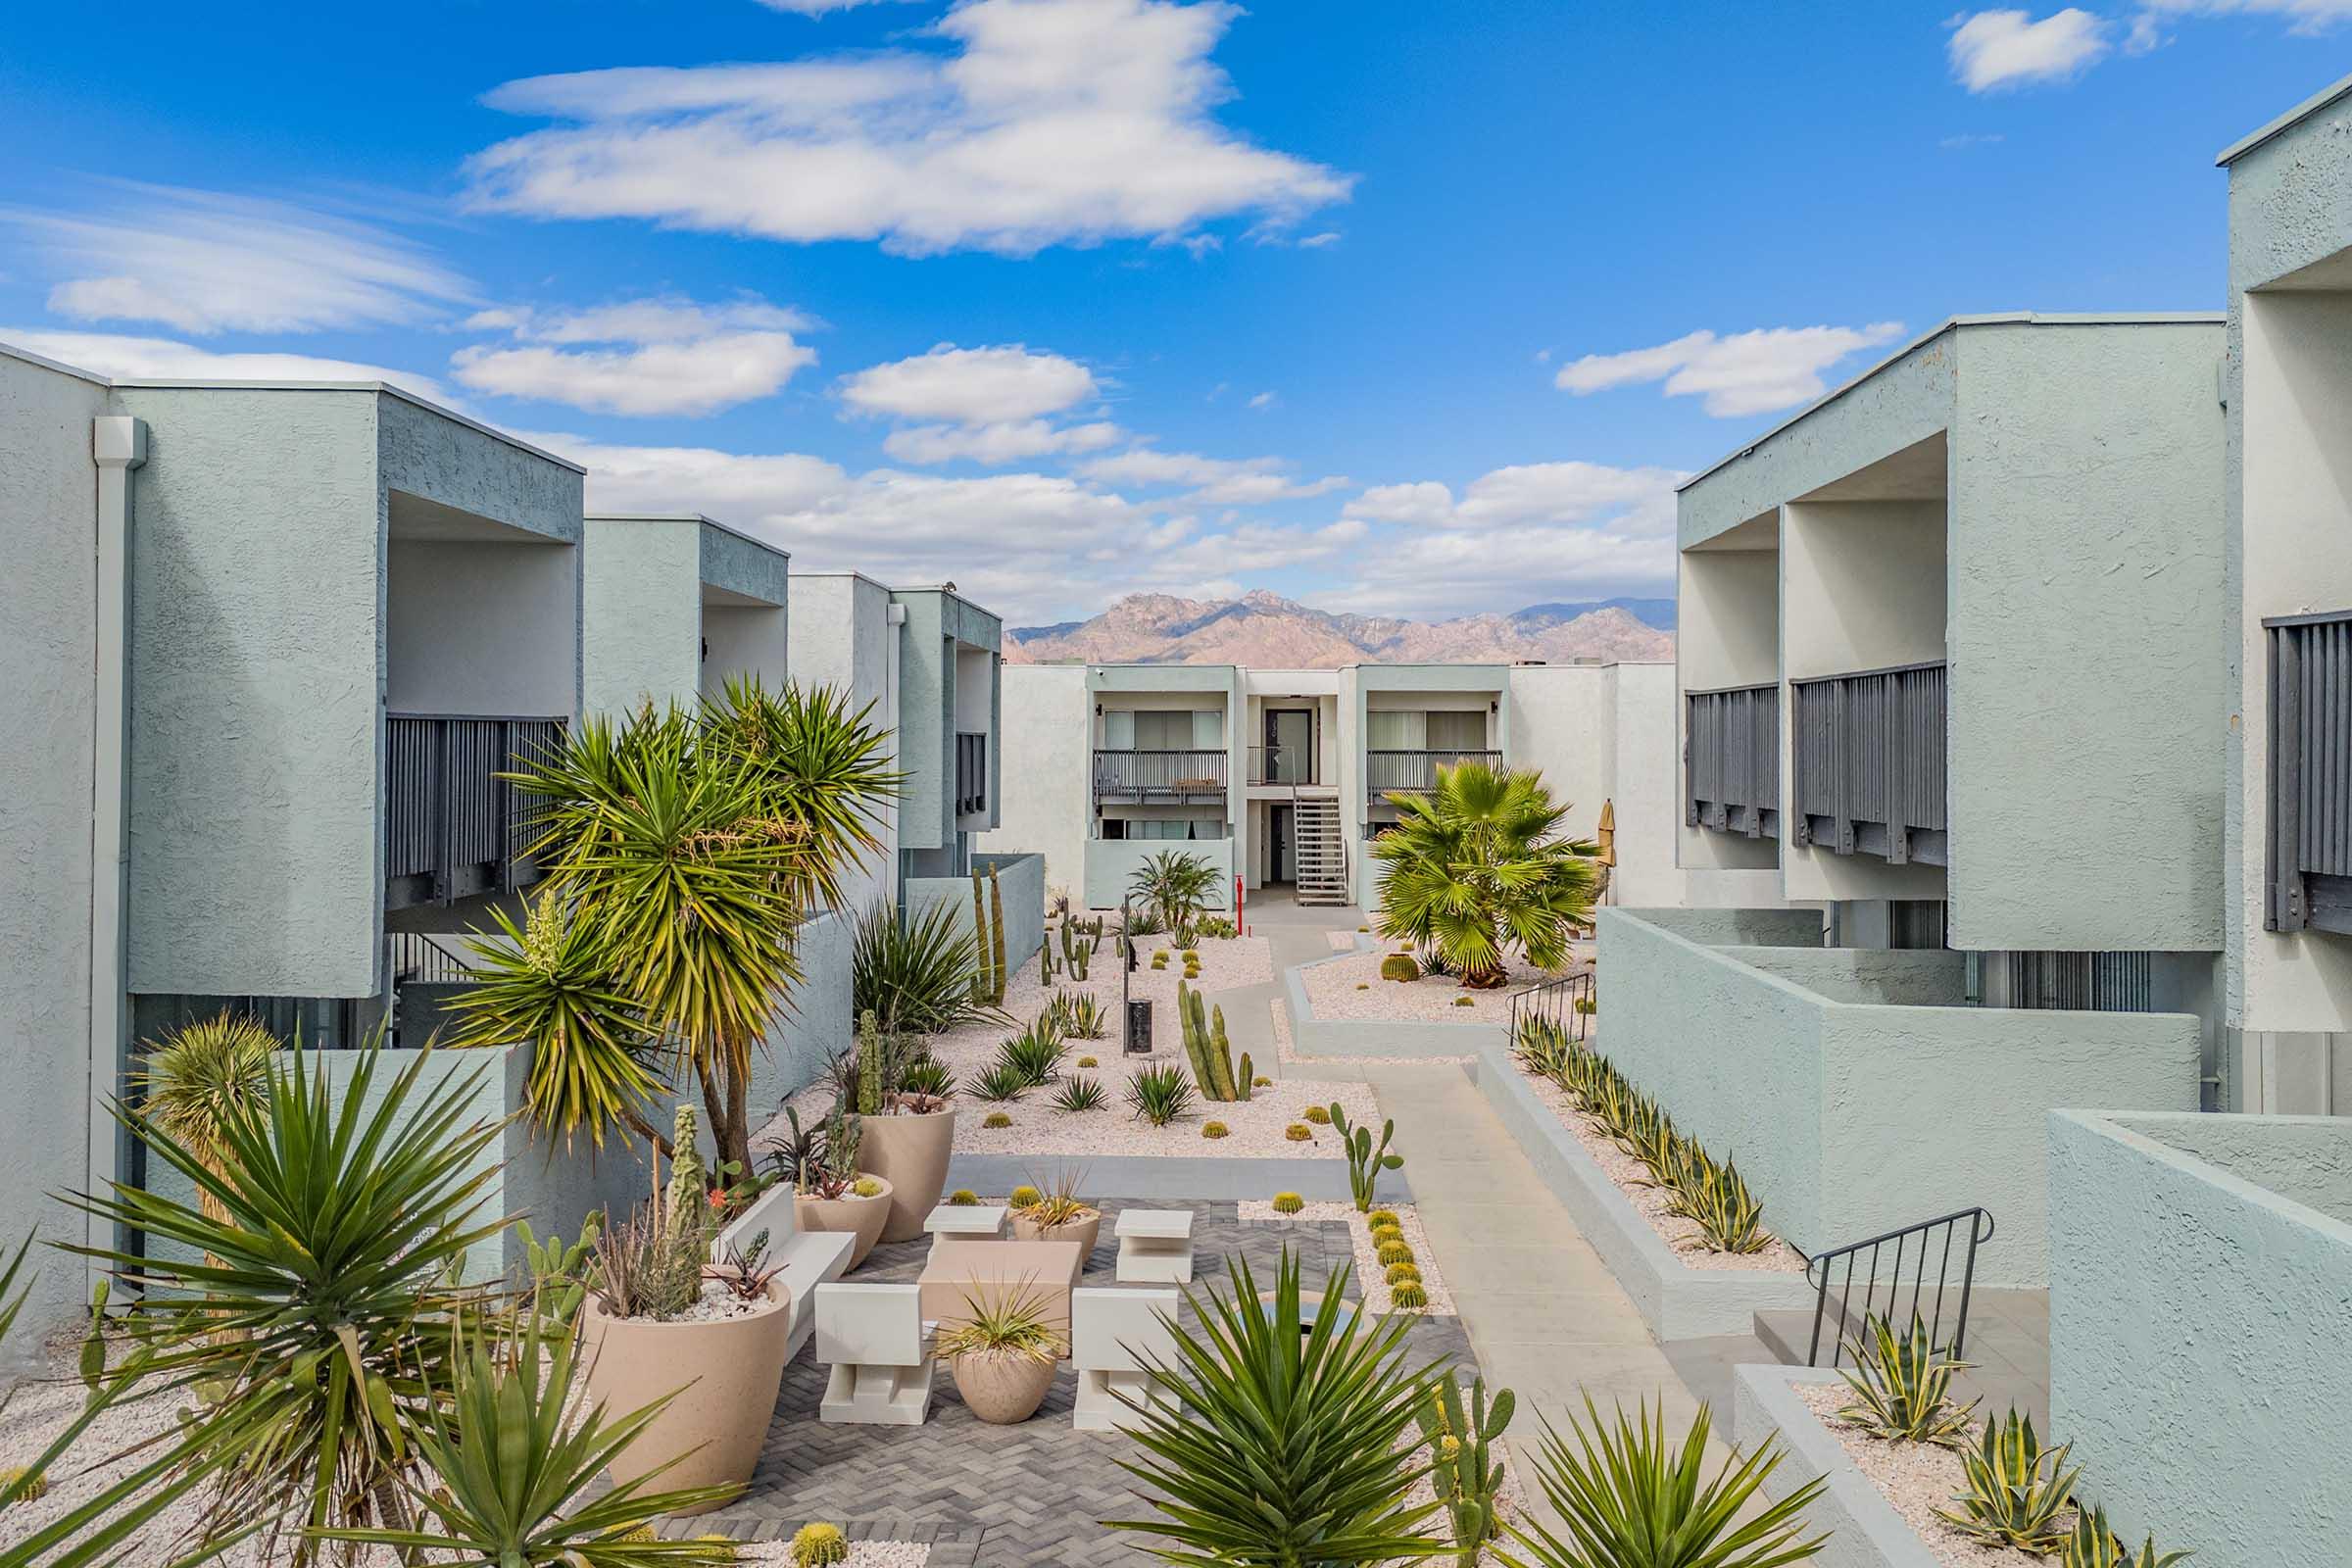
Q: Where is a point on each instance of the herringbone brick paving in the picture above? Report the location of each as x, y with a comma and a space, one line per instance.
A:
988, 1497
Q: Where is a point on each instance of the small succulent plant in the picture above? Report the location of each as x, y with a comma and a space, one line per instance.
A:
1407, 1296
1383, 1235
866, 1187
1088, 1061
1399, 1273
1317, 1114
36, 1488
1214, 1129
1287, 1203
1299, 1132
815, 1544
1024, 1197
1399, 966
1262, 1081
965, 1197
996, 1120
2016, 1489
1901, 1385
1159, 1094
1394, 1253
1464, 1002
1381, 1216
1080, 1093
1363, 985
2094, 1546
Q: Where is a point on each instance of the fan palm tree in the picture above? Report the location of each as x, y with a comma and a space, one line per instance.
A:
1478, 865
1175, 886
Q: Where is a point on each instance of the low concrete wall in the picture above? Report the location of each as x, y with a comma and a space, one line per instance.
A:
1675, 1299
816, 1025
1851, 1118
1726, 927
1183, 1178
1021, 878
1873, 976
2200, 1306
1111, 862
1865, 1531
1311, 1035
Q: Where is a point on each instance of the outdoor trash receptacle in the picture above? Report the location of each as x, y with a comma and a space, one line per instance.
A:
1138, 1026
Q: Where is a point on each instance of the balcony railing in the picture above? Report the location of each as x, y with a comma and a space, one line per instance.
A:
1395, 773
1869, 763
1283, 764
1176, 777
2308, 852
453, 828
1731, 753
971, 774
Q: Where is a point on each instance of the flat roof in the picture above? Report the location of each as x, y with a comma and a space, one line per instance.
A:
701, 518
2302, 110
1952, 323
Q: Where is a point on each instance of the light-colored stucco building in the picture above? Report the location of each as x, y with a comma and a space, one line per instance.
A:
677, 606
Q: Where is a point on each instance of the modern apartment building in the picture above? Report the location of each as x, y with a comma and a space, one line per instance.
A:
675, 606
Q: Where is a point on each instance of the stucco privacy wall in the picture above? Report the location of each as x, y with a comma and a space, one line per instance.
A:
48, 601
841, 638
2197, 1330
816, 1026
936, 621
2085, 605
1020, 881
257, 655
641, 613
1043, 729
1112, 863
1850, 1120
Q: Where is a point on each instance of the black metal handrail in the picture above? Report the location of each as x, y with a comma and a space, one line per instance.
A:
1387, 772
1823, 1267
1166, 775
1732, 756
1869, 761
453, 827
971, 772
1563, 1002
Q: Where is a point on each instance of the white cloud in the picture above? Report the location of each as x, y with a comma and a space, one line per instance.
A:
971, 386
1211, 481
813, 8
1263, 401
2307, 18
133, 359
1994, 49
1745, 373
657, 356
997, 444
203, 262
1640, 500
1971, 138
1316, 242
1047, 122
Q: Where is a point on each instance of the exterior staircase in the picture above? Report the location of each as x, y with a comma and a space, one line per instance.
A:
1321, 854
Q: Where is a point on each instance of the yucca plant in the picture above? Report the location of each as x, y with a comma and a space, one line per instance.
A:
510, 1462
318, 1326
999, 1082
1716, 1198
2016, 1489
1035, 1053
915, 971
927, 1076
1902, 1384
190, 1078
2092, 1545
1276, 1446
1630, 1499
817, 764
1161, 1095
1079, 1093
1076, 1016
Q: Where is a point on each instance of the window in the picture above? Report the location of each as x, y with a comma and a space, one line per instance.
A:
2308, 850
1161, 828
1178, 729
1457, 732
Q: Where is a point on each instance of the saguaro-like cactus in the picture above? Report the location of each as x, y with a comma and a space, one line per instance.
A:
995, 921
1468, 1477
983, 983
1208, 1049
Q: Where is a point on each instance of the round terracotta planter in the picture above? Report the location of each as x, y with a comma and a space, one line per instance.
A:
729, 1372
1083, 1232
1001, 1387
911, 1152
863, 1216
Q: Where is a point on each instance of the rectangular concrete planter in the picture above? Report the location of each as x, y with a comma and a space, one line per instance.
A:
1865, 1531
1311, 1035
1675, 1299
1020, 879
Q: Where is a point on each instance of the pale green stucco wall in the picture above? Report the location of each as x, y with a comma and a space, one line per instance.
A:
1022, 885
936, 621
2198, 1325
1853, 1118
1110, 862
641, 612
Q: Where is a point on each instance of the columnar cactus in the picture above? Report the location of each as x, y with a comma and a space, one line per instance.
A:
983, 983
1365, 1162
1209, 1051
1463, 1470
869, 1065
996, 924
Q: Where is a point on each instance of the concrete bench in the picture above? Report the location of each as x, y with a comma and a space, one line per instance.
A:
1111, 1332
806, 1260
971, 1222
872, 1337
1156, 1246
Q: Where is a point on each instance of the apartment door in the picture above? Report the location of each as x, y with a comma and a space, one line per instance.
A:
1281, 843
1289, 746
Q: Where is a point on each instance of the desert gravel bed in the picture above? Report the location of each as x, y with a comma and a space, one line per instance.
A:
1632, 1178
1286, 1049
1333, 991
862, 1554
1372, 1278
1916, 1478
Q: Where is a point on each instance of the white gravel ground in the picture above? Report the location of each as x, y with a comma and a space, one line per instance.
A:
862, 1554
1649, 1202
1286, 1048
1371, 1275
1255, 1128
1332, 991
1917, 1479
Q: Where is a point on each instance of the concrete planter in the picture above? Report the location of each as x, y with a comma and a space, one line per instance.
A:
1002, 1387
1675, 1299
1376, 1036
724, 1374
911, 1152
862, 1217
1865, 1531
1084, 1230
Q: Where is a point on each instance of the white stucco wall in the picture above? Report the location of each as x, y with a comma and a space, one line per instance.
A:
485, 628
841, 638
641, 598
1047, 725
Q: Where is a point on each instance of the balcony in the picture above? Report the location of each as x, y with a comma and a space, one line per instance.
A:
2308, 859
1194, 777
453, 827
1732, 752
1413, 772
1869, 763
971, 774
1283, 766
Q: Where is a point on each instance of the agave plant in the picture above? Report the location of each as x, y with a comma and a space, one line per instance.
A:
1273, 1440
2016, 1489
1630, 1499
2092, 1545
1080, 1092
999, 1082
1902, 1385
1715, 1197
914, 972
511, 1465
319, 1325
1159, 1094
1035, 1053
1076, 1016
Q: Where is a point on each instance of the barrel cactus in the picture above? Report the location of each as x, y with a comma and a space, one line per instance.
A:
1287, 1203
1399, 966
814, 1545
1394, 1253
1024, 1197
1298, 1133
1408, 1296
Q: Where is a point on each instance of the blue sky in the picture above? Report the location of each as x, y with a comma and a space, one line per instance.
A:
1406, 308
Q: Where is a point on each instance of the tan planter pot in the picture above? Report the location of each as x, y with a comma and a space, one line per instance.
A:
862, 1216
911, 1152
1083, 1232
729, 1372
1002, 1388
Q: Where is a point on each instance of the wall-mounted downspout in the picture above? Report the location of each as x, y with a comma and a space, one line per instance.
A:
895, 617
118, 444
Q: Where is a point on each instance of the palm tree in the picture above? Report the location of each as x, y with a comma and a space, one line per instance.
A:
1173, 885
1476, 867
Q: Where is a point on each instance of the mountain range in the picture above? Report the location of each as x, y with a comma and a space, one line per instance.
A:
1267, 631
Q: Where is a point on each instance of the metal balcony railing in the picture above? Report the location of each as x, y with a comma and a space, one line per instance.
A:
1283, 764
1170, 776
1869, 763
453, 828
971, 774
2308, 849
1732, 759
1388, 772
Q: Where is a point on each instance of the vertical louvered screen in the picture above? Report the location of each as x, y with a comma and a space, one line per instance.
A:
445, 807
1869, 752
2309, 770
1732, 741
